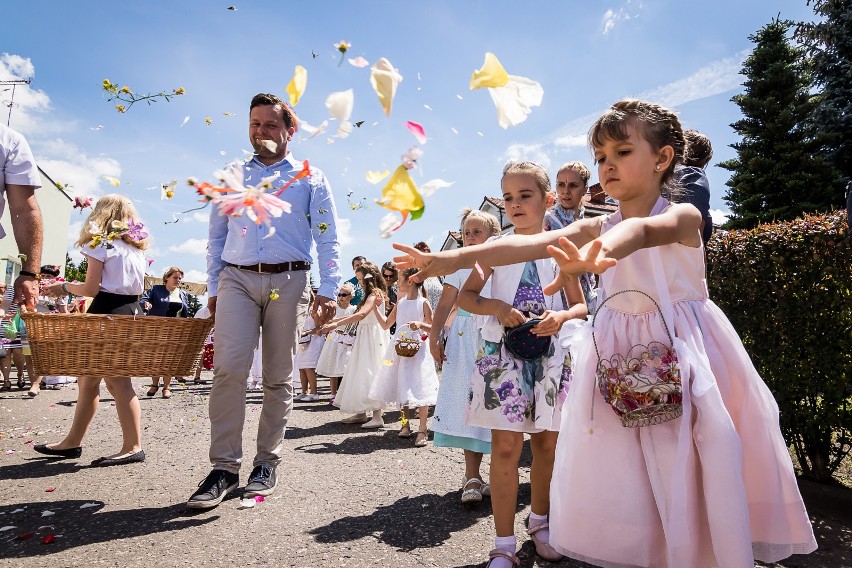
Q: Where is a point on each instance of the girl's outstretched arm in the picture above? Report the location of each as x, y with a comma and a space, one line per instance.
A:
508, 250
363, 311
679, 224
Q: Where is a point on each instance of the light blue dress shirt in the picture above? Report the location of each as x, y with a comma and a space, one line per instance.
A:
313, 218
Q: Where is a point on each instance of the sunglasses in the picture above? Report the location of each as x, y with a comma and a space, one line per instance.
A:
343, 295
389, 275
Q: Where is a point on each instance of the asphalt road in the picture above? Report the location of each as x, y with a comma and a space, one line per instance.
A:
345, 496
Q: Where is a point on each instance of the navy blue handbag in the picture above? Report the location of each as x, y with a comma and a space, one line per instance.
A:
524, 344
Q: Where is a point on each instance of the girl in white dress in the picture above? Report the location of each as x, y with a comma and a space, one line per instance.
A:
338, 347
307, 354
408, 381
353, 396
457, 358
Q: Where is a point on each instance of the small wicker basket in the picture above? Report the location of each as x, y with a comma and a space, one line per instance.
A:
103, 345
407, 347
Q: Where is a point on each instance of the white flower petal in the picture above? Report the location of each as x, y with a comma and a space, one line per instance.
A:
340, 104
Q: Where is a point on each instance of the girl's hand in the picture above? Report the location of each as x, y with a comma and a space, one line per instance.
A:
380, 300
550, 324
572, 263
323, 330
430, 264
414, 325
436, 346
509, 316
54, 290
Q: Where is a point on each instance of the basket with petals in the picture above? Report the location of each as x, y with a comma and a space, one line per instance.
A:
407, 346
642, 386
103, 345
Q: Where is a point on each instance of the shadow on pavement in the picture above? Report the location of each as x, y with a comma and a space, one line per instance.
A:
38, 466
74, 527
424, 521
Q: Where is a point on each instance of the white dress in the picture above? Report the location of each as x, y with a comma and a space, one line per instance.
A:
714, 487
462, 343
363, 367
338, 347
407, 381
308, 349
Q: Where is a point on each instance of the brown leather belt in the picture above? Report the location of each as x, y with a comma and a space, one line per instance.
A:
263, 268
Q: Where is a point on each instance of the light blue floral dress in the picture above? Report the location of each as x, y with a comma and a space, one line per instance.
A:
508, 393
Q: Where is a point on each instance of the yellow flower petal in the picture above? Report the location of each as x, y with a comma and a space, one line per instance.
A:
401, 194
296, 86
376, 177
384, 79
115, 182
492, 74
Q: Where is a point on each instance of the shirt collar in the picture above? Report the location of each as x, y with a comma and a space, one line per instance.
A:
288, 159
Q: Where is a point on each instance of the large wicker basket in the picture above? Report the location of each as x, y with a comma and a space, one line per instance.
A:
117, 346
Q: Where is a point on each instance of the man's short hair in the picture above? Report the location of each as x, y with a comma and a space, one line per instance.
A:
361, 258
287, 113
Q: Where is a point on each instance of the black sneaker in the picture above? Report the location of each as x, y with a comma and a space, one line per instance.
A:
261, 481
213, 489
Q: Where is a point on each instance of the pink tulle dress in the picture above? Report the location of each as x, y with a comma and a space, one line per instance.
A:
714, 487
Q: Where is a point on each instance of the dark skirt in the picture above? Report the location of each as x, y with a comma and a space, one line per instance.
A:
118, 304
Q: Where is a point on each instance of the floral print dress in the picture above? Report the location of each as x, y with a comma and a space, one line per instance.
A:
509, 393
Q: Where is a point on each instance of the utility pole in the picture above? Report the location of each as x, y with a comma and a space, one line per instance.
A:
11, 103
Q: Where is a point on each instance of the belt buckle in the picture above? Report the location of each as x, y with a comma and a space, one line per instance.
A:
260, 268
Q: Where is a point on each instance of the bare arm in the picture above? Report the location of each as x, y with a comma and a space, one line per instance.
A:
471, 300
512, 249
442, 312
89, 288
426, 324
385, 321
27, 227
363, 311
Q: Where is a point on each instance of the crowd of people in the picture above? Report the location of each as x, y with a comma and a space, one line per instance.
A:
654, 440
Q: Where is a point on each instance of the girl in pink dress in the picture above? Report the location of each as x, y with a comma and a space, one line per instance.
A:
714, 486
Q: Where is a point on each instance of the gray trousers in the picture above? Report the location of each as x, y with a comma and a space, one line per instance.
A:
243, 306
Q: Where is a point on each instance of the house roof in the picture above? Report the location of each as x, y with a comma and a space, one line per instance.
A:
54, 184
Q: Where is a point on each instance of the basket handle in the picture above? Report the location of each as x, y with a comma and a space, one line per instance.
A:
608, 298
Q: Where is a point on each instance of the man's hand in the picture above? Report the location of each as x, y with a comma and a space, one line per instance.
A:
211, 305
26, 291
323, 310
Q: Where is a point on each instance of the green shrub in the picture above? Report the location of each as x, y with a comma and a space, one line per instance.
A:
787, 289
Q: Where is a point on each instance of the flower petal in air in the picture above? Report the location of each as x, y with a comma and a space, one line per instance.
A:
376, 177
388, 225
358, 62
434, 185
115, 182
401, 194
384, 79
340, 104
344, 130
418, 131
515, 100
312, 130
270, 145
490, 75
296, 86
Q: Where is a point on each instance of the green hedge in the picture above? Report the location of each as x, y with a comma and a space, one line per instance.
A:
787, 289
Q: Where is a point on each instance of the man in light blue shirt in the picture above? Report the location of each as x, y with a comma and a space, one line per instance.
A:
258, 279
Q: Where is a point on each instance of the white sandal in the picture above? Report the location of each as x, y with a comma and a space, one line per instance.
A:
472, 494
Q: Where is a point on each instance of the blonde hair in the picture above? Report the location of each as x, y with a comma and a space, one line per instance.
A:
487, 219
169, 271
111, 208
537, 171
578, 167
347, 286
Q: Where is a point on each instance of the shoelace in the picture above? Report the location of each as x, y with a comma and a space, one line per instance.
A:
264, 474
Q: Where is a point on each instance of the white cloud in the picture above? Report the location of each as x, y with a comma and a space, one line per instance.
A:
201, 217
611, 18
27, 100
344, 232
719, 217
195, 276
524, 152
67, 164
713, 79
571, 141
191, 246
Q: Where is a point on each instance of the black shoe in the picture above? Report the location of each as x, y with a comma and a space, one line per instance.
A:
66, 453
261, 481
213, 489
132, 458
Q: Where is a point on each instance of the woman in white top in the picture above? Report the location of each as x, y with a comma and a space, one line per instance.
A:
165, 300
113, 242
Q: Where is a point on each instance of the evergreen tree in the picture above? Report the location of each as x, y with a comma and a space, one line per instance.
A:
193, 304
778, 174
75, 272
829, 44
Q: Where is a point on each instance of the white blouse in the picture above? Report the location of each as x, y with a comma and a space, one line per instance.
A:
124, 267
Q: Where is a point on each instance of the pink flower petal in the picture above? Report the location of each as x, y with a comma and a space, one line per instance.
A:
48, 539
50, 490
479, 270
358, 62
418, 131
259, 499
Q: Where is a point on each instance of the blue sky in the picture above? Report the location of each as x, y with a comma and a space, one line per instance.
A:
586, 55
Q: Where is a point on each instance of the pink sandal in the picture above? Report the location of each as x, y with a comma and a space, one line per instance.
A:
542, 548
500, 553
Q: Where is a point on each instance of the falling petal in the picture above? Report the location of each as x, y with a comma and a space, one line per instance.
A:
244, 231
270, 145
270, 233
344, 130
247, 503
418, 131
87, 505
401, 194
296, 86
515, 100
385, 79
358, 62
115, 182
312, 131
480, 133
340, 104
228, 114
98, 127
50, 490
47, 513
387, 362
167, 190
47, 539
479, 270
433, 185
208, 121
427, 107
376, 177
7, 528
459, 97
490, 75
454, 130
185, 120
259, 498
